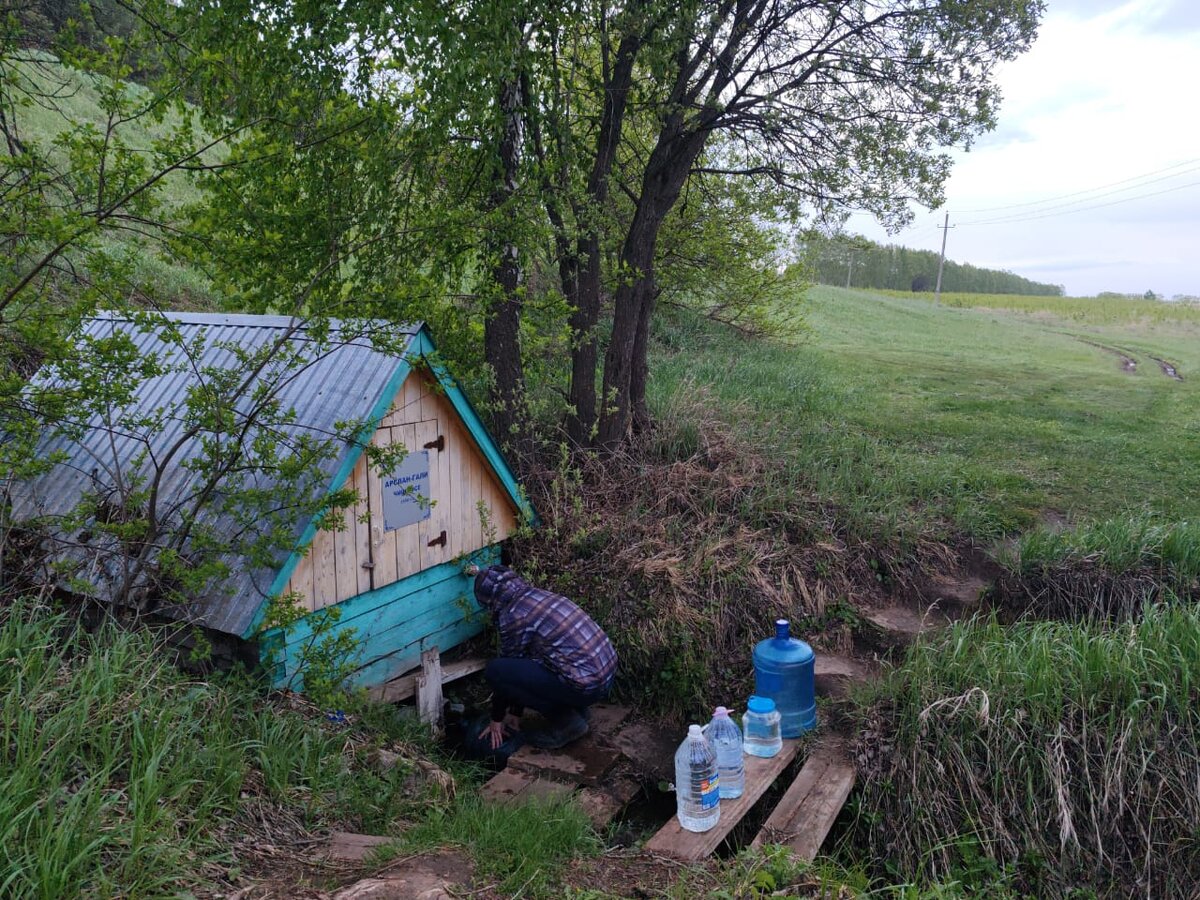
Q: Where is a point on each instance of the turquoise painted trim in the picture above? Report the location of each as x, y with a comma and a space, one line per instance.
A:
356, 450
421, 346
438, 601
483, 439
407, 658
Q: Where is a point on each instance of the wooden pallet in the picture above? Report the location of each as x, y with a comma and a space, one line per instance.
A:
673, 840
806, 813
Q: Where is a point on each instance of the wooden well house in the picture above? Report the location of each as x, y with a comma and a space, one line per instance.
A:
396, 568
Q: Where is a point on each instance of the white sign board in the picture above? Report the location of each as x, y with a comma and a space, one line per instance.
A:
406, 492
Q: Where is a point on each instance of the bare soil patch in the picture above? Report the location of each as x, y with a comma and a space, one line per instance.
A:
1128, 363
1169, 369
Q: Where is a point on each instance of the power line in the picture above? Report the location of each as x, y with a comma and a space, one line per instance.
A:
1020, 217
1067, 212
1179, 165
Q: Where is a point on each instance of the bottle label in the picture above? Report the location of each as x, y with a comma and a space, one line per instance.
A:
710, 792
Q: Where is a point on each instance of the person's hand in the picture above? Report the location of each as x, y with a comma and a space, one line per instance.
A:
493, 734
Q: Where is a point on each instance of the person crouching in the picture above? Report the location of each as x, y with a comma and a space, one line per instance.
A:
553, 658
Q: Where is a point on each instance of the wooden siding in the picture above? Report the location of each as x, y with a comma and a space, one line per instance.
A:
460, 480
391, 625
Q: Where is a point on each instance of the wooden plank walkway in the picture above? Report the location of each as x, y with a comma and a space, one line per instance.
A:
673, 840
589, 768
806, 813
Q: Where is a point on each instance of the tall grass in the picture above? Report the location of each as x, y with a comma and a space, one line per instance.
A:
1107, 569
1069, 753
688, 544
1086, 310
120, 776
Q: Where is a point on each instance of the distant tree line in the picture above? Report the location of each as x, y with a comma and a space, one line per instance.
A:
859, 262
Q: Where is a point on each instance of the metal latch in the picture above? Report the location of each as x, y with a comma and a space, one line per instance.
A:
439, 540
439, 445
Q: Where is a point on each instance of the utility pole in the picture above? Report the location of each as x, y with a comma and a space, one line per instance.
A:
937, 292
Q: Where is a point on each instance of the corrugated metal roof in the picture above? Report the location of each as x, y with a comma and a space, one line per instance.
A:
323, 382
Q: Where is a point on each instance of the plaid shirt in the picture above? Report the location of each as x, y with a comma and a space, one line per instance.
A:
538, 624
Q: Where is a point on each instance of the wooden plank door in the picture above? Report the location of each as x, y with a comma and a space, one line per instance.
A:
400, 552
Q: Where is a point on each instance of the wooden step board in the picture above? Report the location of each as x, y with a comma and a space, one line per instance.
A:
673, 840
807, 811
587, 768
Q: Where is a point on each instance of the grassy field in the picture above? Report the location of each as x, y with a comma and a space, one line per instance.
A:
1087, 310
70, 103
913, 416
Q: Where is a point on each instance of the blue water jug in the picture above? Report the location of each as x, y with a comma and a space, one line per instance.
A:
783, 671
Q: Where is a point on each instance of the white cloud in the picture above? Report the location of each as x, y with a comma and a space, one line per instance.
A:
1103, 96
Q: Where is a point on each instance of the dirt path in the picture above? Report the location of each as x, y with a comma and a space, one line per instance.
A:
1168, 369
1128, 363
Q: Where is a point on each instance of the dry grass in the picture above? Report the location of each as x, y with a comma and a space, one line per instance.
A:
1065, 755
1106, 571
688, 544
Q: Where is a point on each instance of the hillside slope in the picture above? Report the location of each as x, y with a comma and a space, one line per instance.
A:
909, 414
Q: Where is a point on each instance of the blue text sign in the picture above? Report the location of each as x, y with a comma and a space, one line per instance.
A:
406, 492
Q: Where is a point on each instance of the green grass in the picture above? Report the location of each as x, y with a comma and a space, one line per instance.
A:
1171, 552
916, 418
1065, 755
520, 847
68, 101
121, 776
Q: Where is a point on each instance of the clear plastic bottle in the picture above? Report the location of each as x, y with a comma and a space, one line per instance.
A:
726, 739
697, 784
760, 725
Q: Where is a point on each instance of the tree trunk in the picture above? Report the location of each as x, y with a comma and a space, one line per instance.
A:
631, 299
502, 326
618, 80
626, 366
586, 302
639, 375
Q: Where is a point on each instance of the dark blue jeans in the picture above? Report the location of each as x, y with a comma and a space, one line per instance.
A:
526, 682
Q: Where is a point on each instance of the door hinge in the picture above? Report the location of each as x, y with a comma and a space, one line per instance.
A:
439, 445
439, 540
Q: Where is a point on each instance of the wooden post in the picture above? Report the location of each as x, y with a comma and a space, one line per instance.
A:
429, 689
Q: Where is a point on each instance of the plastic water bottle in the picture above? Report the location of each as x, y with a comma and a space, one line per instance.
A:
783, 671
726, 739
697, 784
761, 727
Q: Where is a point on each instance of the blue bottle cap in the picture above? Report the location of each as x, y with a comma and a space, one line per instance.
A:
760, 705
781, 629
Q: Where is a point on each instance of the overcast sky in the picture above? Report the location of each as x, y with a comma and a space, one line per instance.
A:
1092, 177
